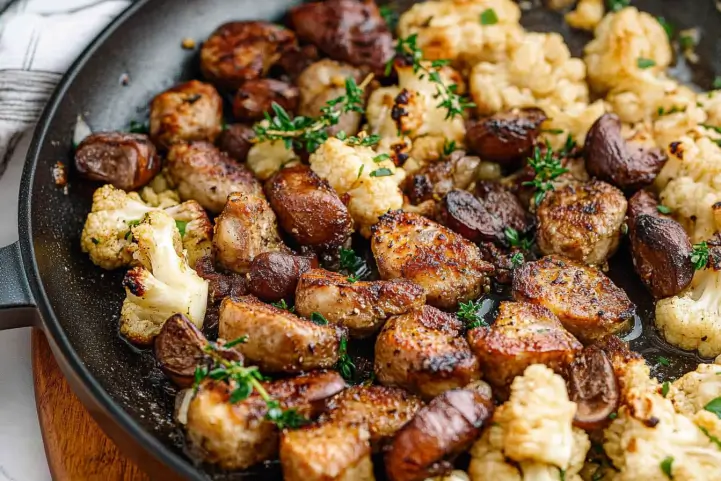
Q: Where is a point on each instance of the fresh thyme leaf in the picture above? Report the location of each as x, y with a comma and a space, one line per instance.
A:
699, 256
568, 146
468, 312
547, 167
240, 393
201, 372
663, 361
235, 342
349, 261
712, 127
489, 17
666, 466
181, 225
665, 388
666, 26
616, 5
284, 419
345, 364
281, 304
613, 416
515, 239
663, 209
352, 278
674, 109
644, 63
553, 131
360, 171
381, 157
449, 147
382, 172
362, 140
714, 406
317, 318
517, 259
390, 16
138, 127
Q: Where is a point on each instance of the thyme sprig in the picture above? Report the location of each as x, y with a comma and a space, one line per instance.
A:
468, 312
307, 132
515, 239
700, 256
547, 168
245, 380
345, 365
449, 99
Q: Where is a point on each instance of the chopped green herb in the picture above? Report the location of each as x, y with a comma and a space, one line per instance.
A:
181, 225
663, 209
517, 260
547, 168
665, 388
318, 318
666, 26
138, 127
712, 127
616, 5
711, 437
613, 416
390, 16
716, 83
95, 241
687, 42
352, 278
489, 17
360, 171
515, 239
714, 406
382, 172
133, 223
673, 110
553, 131
699, 256
281, 304
663, 361
235, 342
562, 474
468, 311
345, 364
381, 157
449, 147
644, 63
362, 140
666, 466
349, 261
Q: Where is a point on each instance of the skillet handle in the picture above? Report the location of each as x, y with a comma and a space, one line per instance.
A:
17, 306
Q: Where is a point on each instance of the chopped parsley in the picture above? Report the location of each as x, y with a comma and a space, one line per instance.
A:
317, 318
382, 172
390, 16
699, 256
381, 157
138, 127
644, 63
515, 239
667, 466
352, 278
663, 361
517, 260
666, 26
663, 209
345, 364
613, 416
489, 17
673, 110
282, 305
714, 406
181, 225
665, 388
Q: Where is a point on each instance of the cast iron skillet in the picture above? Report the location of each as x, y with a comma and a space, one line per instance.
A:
47, 282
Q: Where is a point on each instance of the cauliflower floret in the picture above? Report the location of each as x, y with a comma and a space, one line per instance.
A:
648, 431
574, 120
539, 72
453, 30
534, 430
694, 390
267, 158
158, 193
587, 15
371, 181
627, 45
710, 102
163, 285
106, 234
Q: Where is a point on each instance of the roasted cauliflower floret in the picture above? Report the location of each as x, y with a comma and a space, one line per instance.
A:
267, 158
163, 284
370, 181
539, 72
533, 431
158, 193
574, 120
627, 44
587, 15
106, 235
694, 390
450, 29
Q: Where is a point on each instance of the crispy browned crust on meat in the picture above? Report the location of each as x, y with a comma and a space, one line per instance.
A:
202, 172
361, 307
446, 265
246, 228
586, 302
424, 351
523, 334
308, 208
240, 51
581, 221
278, 341
189, 111
425, 447
326, 452
383, 410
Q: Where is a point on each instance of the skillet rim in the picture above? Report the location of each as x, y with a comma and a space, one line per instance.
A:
48, 320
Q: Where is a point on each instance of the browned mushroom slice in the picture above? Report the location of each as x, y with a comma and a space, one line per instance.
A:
308, 208
504, 205
523, 334
426, 446
592, 385
351, 31
505, 137
240, 51
610, 157
236, 141
180, 348
660, 247
237, 436
586, 302
128, 161
274, 275
256, 97
463, 213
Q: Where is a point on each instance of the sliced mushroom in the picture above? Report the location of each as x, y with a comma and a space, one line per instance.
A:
274, 275
256, 97
504, 205
128, 161
593, 386
426, 446
240, 51
236, 141
180, 347
610, 157
463, 213
505, 137
660, 247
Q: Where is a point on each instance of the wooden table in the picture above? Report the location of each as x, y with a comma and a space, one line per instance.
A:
76, 448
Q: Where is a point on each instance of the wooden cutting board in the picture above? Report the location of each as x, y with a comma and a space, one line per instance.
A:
76, 448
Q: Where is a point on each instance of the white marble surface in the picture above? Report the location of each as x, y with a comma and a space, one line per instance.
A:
22, 456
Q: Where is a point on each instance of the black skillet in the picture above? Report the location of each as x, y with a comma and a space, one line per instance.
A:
46, 282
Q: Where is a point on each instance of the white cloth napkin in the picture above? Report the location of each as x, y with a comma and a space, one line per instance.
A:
39, 39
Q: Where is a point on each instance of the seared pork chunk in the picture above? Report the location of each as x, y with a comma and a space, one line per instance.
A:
246, 228
427, 445
255, 98
582, 221
278, 340
523, 334
588, 304
424, 351
202, 172
186, 112
220, 284
308, 208
439, 178
361, 307
446, 265
237, 436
